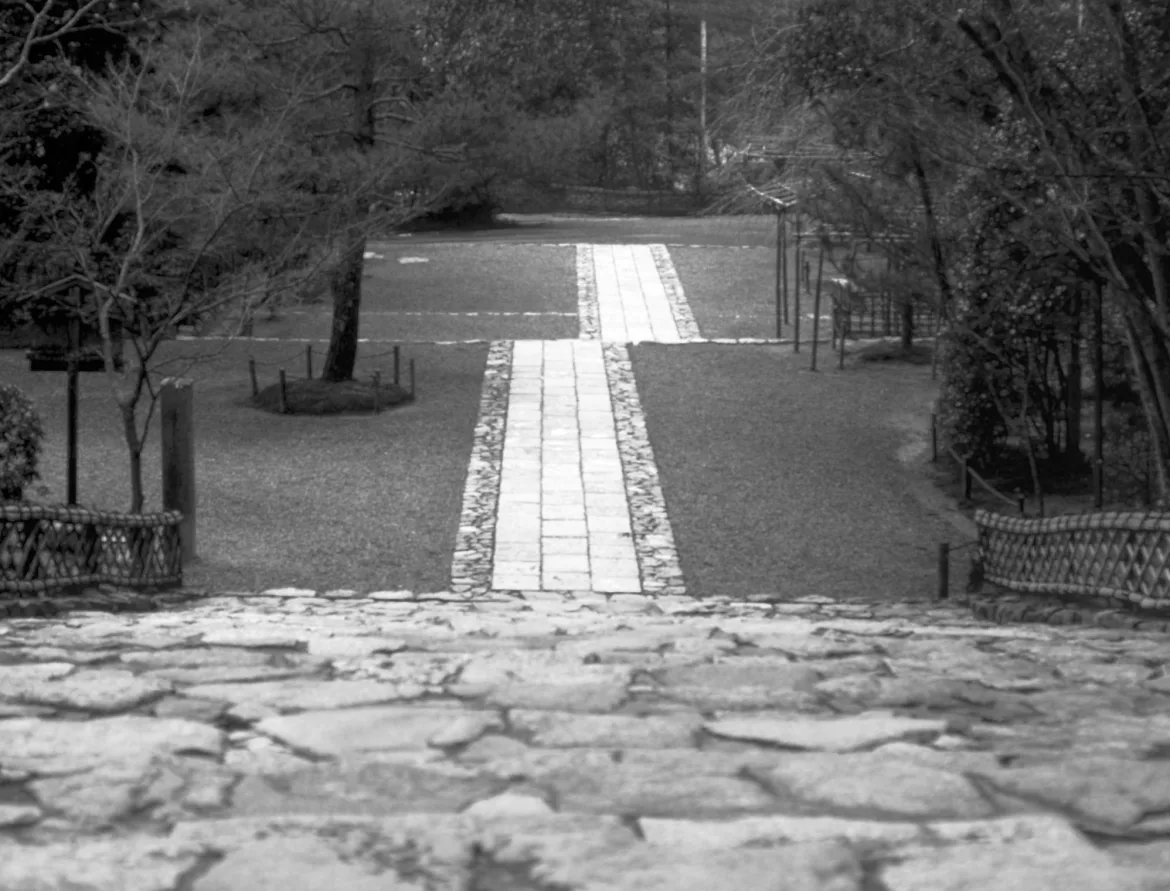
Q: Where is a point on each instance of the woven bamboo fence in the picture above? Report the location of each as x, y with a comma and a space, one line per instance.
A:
48, 548
1124, 556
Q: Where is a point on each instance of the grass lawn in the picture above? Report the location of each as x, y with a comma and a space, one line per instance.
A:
420, 302
390, 327
573, 228
470, 278
781, 480
367, 502
732, 292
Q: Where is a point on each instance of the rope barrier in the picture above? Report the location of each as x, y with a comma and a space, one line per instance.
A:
252, 358
388, 352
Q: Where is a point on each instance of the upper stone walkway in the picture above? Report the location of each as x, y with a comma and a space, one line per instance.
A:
307, 742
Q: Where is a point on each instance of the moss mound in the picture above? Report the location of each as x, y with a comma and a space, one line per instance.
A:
318, 397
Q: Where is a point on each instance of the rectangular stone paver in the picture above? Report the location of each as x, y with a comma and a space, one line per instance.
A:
562, 492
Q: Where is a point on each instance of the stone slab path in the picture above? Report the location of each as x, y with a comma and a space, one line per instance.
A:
631, 298
563, 492
308, 741
563, 518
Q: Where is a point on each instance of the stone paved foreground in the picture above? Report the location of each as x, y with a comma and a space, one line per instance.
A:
548, 743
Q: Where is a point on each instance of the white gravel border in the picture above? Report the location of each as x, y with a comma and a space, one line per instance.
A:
650, 524
471, 567
588, 311
684, 319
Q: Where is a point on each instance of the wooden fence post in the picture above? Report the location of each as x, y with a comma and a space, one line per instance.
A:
309, 361
283, 404
412, 380
177, 414
933, 438
377, 387
944, 570
966, 482
396, 365
252, 374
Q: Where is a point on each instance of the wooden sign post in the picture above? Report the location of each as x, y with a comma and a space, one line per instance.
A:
65, 345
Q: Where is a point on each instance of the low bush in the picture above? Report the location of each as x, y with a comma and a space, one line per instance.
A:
21, 433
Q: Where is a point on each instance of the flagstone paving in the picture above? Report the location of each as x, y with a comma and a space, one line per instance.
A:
309, 740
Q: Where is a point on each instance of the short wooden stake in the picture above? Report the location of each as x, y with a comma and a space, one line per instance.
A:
412, 380
309, 361
377, 387
177, 417
396, 365
282, 406
944, 570
252, 374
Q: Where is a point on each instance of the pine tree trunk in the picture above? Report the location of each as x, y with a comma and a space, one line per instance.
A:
347, 301
937, 257
347, 278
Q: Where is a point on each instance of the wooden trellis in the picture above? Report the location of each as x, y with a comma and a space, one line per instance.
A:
48, 548
1124, 556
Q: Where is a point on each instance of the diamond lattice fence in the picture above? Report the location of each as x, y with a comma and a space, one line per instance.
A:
1124, 556
45, 548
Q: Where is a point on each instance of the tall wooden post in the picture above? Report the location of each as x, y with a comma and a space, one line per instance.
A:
796, 295
71, 432
73, 357
779, 274
784, 266
177, 404
1098, 402
817, 306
